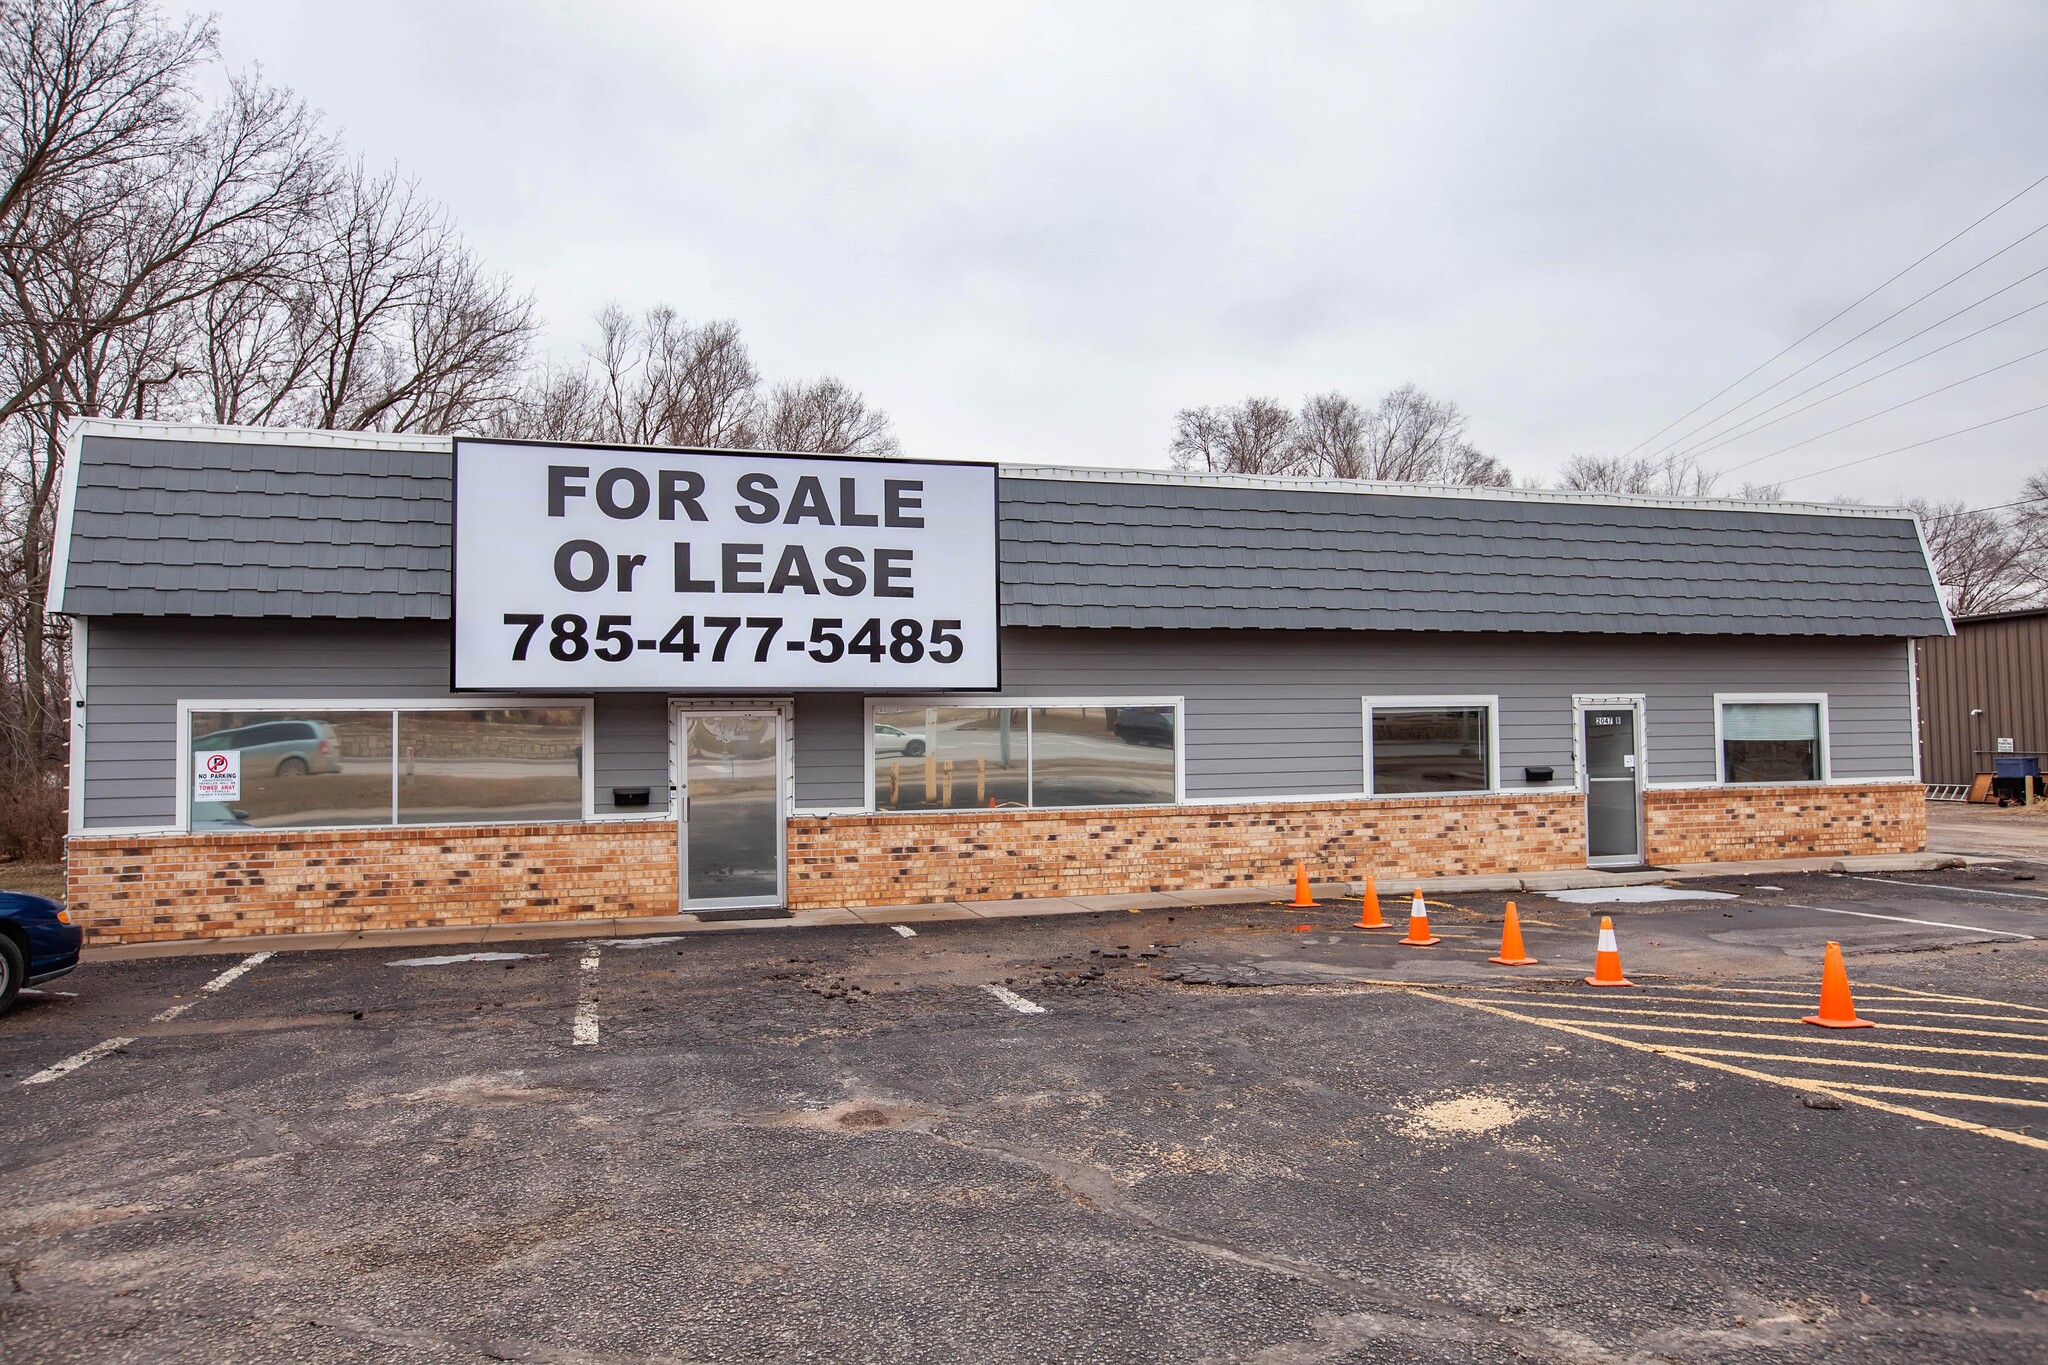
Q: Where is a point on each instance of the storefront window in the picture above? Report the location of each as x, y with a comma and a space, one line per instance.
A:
1770, 742
1102, 755
295, 768
515, 764
1426, 749
979, 757
950, 757
313, 769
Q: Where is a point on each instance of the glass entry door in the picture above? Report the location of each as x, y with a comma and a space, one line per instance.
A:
730, 813
1614, 803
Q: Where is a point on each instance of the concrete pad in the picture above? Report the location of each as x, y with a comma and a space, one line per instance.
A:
1139, 900
1024, 909
1574, 879
1635, 895
1453, 885
912, 914
812, 918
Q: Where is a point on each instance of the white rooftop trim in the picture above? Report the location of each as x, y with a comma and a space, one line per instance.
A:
255, 436
1295, 483
378, 440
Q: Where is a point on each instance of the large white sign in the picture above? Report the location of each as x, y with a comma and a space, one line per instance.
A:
579, 569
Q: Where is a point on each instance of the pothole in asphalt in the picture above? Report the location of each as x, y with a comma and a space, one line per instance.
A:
855, 1116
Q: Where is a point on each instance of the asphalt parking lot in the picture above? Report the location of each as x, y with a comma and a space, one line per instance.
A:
1199, 1136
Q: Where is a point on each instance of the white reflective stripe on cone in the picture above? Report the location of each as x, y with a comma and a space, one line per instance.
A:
1607, 943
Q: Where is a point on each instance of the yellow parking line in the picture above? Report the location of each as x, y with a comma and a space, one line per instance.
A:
1869, 1066
1949, 1095
1789, 1082
1810, 997
1757, 1019
1955, 999
1828, 1038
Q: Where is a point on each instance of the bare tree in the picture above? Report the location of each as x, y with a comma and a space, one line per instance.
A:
378, 319
824, 416
1408, 437
656, 379
1682, 478
1252, 437
1988, 559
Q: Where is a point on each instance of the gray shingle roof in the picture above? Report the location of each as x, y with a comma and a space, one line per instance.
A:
177, 527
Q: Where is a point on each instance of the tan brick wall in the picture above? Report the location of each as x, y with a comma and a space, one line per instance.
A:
135, 889
132, 890
1731, 824
1007, 855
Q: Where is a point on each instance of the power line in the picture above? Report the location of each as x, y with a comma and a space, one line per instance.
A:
1882, 411
1723, 438
1858, 337
1823, 327
1896, 450
1995, 507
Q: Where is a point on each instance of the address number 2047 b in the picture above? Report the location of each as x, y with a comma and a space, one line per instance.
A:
570, 637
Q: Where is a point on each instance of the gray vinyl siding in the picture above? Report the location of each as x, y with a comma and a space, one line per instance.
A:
831, 751
1272, 714
1268, 713
138, 670
629, 732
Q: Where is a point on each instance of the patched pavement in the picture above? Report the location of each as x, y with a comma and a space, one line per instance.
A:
1214, 1135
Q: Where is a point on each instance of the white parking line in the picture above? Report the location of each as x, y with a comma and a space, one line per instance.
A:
904, 930
583, 1033
1014, 1000
71, 1064
1957, 890
164, 1016
1931, 923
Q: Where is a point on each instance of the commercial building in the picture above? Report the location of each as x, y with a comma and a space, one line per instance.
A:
1984, 697
329, 681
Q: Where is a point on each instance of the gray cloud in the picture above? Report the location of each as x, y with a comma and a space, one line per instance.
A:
1033, 234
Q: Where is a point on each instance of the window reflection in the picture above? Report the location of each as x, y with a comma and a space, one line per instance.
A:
1771, 741
1102, 755
949, 757
976, 757
521, 763
297, 768
1430, 749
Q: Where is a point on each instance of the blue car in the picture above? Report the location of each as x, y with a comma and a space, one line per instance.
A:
37, 941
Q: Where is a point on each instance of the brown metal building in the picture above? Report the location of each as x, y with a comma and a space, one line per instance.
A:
1983, 692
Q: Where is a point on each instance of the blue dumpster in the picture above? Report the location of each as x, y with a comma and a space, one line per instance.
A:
2014, 766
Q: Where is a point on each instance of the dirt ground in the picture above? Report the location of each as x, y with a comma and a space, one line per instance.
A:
1199, 1136
38, 879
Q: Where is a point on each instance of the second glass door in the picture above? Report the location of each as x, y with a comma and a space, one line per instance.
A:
731, 823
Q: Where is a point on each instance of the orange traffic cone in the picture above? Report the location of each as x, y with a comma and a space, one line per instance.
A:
1512, 953
1418, 925
1369, 912
1837, 1010
1302, 899
1607, 959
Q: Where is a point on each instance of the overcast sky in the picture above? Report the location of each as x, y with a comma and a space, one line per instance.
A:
1033, 233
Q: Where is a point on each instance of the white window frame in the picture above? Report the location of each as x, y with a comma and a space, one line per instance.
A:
986, 701
186, 708
1827, 755
1490, 703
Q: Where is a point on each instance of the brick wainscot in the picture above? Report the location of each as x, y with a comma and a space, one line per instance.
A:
136, 888
130, 889
1728, 824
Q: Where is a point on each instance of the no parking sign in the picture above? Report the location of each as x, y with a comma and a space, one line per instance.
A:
217, 775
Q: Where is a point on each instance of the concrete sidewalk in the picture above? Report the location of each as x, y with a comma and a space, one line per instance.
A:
643, 926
